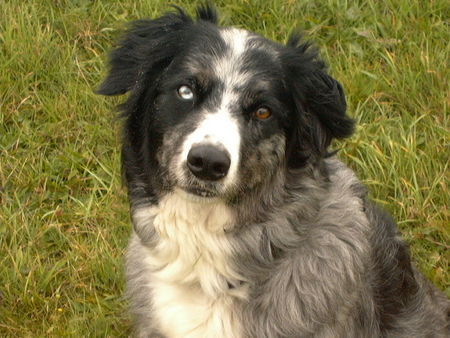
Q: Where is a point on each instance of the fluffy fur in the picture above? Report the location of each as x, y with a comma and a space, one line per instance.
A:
286, 243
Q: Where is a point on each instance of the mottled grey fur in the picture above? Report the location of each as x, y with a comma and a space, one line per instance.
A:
311, 251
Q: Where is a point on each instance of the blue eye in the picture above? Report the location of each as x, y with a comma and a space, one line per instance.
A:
185, 92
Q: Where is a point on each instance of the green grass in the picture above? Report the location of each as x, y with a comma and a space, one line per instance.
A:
64, 218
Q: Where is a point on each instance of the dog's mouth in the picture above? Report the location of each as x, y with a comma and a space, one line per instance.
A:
199, 189
200, 192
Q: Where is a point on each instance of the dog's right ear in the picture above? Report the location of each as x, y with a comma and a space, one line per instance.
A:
319, 102
148, 45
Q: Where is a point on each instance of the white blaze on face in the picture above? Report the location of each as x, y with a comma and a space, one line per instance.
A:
220, 127
228, 68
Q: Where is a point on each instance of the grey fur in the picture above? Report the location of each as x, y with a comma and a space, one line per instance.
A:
321, 282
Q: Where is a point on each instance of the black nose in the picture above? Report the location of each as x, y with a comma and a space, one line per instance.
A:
208, 162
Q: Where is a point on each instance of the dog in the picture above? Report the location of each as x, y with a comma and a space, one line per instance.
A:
245, 224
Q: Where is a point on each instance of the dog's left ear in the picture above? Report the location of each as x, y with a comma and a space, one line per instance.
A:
148, 46
319, 102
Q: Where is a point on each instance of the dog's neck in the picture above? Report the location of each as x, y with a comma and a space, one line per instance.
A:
188, 233
181, 209
190, 258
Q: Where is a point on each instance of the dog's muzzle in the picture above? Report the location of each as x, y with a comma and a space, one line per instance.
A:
208, 162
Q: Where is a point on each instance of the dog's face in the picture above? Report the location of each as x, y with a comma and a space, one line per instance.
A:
218, 111
222, 110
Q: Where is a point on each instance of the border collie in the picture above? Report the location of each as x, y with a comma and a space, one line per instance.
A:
245, 225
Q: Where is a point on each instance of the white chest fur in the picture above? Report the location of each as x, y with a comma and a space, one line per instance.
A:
191, 268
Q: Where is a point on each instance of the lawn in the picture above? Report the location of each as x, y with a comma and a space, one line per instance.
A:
64, 218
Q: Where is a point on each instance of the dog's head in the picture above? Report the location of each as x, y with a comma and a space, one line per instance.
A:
215, 111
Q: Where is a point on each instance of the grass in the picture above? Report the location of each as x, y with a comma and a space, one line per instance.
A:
64, 221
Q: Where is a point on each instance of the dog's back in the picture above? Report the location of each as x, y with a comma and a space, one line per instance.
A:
408, 305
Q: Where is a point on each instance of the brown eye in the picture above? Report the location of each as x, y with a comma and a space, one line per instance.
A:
263, 113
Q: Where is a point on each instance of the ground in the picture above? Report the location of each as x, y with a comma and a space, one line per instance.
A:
64, 218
